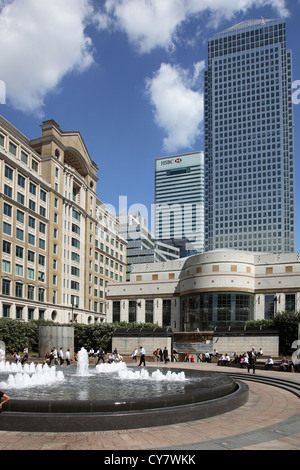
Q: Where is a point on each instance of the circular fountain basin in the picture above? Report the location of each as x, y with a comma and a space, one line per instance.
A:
110, 397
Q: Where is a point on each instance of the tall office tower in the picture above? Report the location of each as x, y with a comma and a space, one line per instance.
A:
179, 201
249, 144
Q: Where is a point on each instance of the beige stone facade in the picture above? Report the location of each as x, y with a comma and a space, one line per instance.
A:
223, 287
59, 245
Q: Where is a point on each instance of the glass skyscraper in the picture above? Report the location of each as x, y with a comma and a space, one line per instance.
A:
179, 201
249, 144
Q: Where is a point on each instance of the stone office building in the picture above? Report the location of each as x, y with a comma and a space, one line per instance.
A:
59, 246
215, 288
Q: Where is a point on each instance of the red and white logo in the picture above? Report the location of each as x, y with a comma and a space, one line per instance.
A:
178, 160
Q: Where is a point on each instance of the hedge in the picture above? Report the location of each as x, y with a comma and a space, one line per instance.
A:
19, 335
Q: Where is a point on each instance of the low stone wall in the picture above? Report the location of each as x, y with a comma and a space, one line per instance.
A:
241, 344
127, 344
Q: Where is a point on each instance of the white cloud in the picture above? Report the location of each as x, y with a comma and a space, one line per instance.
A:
41, 42
156, 23
178, 108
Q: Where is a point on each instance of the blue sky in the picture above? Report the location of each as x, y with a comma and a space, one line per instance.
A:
127, 74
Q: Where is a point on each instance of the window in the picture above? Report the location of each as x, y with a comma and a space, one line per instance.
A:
116, 311
20, 198
149, 311
30, 292
19, 270
269, 307
20, 216
6, 228
30, 273
75, 271
76, 229
19, 234
19, 251
7, 209
74, 285
41, 294
19, 313
75, 214
75, 257
8, 173
42, 227
290, 302
167, 312
21, 181
132, 311
31, 205
6, 247
32, 188
31, 222
5, 266
30, 256
5, 287
24, 157
75, 243
30, 314
43, 195
31, 239
6, 311
35, 165
42, 211
7, 191
19, 290
13, 149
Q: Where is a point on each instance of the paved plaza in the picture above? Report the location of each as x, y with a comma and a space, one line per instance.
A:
270, 420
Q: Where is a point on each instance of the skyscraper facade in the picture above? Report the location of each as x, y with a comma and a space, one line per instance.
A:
179, 201
249, 144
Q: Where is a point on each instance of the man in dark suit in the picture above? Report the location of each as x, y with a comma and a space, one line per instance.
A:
252, 355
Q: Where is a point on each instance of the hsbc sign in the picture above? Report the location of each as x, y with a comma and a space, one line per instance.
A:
179, 161
171, 161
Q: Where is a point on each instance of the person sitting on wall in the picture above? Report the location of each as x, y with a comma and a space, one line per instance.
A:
284, 366
269, 363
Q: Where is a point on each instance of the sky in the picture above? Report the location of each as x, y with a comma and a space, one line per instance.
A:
127, 74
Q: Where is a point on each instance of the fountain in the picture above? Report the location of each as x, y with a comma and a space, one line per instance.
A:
83, 363
111, 396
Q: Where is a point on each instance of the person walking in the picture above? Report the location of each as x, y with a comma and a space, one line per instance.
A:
61, 356
101, 355
165, 355
68, 357
252, 359
142, 356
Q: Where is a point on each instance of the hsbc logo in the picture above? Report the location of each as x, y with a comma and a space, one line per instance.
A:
171, 161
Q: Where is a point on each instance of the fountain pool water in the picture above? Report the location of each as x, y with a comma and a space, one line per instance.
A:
103, 381
110, 396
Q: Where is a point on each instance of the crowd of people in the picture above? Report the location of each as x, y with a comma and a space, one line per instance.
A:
58, 357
